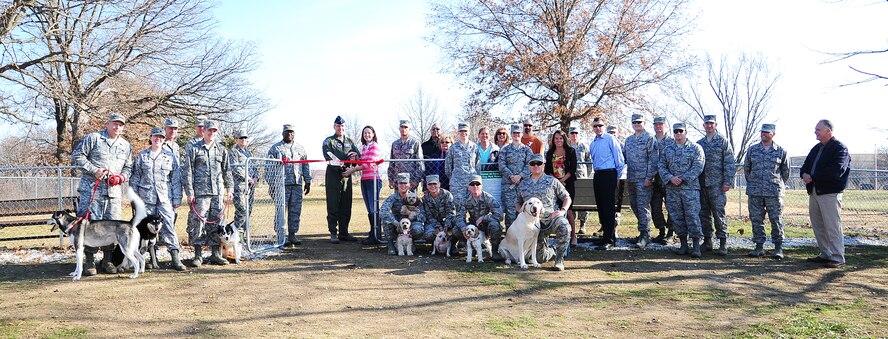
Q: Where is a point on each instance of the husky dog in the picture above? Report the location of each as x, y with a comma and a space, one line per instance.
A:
442, 241
410, 209
521, 238
405, 240
148, 229
98, 233
229, 238
477, 240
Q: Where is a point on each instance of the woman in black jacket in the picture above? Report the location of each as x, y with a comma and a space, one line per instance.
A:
561, 163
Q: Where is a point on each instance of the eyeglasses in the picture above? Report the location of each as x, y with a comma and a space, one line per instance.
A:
677, 131
445, 142
436, 129
475, 184
597, 126
528, 125
536, 163
636, 122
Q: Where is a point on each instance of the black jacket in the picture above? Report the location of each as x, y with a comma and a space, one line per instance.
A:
832, 170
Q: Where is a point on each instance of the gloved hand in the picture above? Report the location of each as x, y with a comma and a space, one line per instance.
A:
307, 188
116, 179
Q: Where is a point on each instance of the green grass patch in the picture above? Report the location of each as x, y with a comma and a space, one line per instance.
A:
507, 282
511, 326
32, 329
73, 332
658, 294
821, 321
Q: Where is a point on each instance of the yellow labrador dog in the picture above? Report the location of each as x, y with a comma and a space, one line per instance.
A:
521, 237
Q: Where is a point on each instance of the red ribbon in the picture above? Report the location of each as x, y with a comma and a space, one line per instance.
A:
358, 162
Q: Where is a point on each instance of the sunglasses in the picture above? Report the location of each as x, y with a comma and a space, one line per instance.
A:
677, 131
636, 122
432, 183
436, 129
535, 163
242, 138
445, 142
596, 126
528, 125
475, 184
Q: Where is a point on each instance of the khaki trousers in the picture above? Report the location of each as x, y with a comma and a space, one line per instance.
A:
826, 219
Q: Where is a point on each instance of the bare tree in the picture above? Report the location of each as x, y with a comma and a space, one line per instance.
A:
738, 89
569, 60
422, 111
354, 125
147, 59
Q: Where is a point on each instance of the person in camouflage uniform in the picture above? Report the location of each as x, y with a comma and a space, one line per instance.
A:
680, 166
198, 132
767, 169
390, 213
157, 180
244, 183
406, 148
338, 181
658, 197
460, 163
548, 190
512, 162
715, 181
484, 211
582, 156
206, 178
288, 183
641, 165
103, 156
438, 205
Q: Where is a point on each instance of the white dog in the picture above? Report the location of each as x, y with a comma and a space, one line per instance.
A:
477, 240
521, 238
99, 233
442, 242
405, 240
230, 240
411, 207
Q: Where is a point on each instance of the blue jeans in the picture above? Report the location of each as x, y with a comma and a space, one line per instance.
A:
371, 200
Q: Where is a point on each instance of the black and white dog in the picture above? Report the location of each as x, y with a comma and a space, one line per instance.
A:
230, 240
99, 233
148, 229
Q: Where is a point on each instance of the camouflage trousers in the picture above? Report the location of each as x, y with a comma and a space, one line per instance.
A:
640, 202
510, 200
200, 232
658, 198
773, 206
102, 207
417, 231
167, 234
561, 228
241, 200
684, 210
459, 187
290, 208
712, 207
492, 229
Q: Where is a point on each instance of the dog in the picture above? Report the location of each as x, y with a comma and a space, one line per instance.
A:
230, 240
148, 229
405, 239
99, 233
521, 238
442, 242
477, 240
411, 208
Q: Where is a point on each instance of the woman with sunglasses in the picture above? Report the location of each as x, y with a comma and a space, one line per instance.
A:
561, 163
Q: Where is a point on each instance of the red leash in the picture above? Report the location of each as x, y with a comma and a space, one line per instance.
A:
227, 203
85, 215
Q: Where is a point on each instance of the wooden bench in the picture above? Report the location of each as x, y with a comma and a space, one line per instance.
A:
31, 212
584, 197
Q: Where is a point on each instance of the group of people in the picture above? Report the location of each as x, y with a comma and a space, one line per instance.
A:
692, 178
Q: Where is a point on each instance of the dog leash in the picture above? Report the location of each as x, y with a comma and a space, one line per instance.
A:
224, 209
85, 215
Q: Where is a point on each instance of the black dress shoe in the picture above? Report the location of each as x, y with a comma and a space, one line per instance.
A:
834, 264
604, 247
347, 237
369, 241
818, 260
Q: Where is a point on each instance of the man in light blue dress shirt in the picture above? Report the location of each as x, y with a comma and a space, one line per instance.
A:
608, 162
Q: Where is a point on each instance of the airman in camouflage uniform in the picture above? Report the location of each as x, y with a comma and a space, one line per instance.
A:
680, 166
158, 181
244, 184
198, 133
390, 213
512, 161
548, 190
641, 166
438, 205
406, 148
658, 197
485, 212
460, 164
338, 181
206, 178
288, 183
582, 156
767, 169
101, 155
715, 181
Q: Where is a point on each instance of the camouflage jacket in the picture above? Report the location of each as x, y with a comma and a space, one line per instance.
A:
440, 208
582, 156
390, 211
547, 189
766, 169
206, 170
238, 166
97, 150
641, 157
684, 161
461, 161
720, 165
293, 174
408, 149
513, 161
486, 207
157, 179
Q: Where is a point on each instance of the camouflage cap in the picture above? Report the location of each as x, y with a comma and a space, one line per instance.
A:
612, 129
200, 120
536, 157
769, 128
660, 120
238, 134
157, 131
708, 118
288, 128
403, 178
678, 126
516, 128
432, 179
170, 123
404, 123
210, 124
475, 178
638, 117
462, 127
117, 117
528, 122
573, 129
